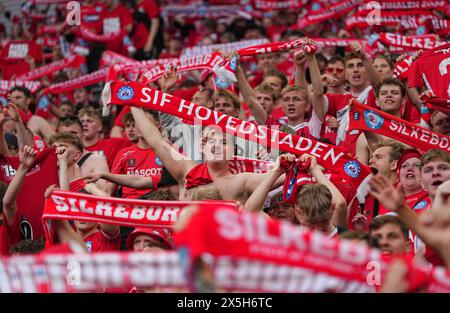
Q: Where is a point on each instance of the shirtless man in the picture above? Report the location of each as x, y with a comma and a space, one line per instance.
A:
215, 149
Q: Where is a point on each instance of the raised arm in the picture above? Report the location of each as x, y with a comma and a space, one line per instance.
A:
131, 181
372, 74
3, 145
340, 205
22, 136
26, 156
176, 163
63, 169
249, 95
256, 201
317, 99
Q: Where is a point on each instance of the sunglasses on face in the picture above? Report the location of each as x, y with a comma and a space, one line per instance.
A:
331, 70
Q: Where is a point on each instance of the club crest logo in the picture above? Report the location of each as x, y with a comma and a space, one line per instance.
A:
131, 163
352, 169
356, 116
125, 93
422, 204
158, 161
373, 120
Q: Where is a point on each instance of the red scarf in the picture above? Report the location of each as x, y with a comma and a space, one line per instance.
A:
369, 119
64, 205
394, 5
295, 179
328, 156
401, 69
244, 165
410, 42
332, 11
269, 5
200, 62
110, 58
82, 81
6, 85
439, 104
88, 35
134, 68
223, 47
255, 238
72, 61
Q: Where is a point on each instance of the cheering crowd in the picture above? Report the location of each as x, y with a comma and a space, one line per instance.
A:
307, 137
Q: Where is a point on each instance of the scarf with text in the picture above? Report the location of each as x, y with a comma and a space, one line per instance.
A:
82, 81
439, 104
401, 68
410, 43
330, 157
366, 118
200, 62
134, 69
72, 61
64, 205
345, 265
6, 85
404, 5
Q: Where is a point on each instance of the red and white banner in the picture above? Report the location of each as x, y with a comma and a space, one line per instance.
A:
330, 157
244, 165
82, 81
72, 61
223, 47
6, 85
369, 119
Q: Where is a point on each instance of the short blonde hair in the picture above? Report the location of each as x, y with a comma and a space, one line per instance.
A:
315, 202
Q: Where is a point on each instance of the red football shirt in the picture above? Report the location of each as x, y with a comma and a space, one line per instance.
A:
139, 162
100, 242
109, 148
12, 57
90, 16
9, 235
114, 21
30, 200
432, 70
140, 33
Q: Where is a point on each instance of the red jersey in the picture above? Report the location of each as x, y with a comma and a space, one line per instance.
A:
9, 235
419, 202
90, 16
139, 162
109, 148
39, 144
30, 200
432, 70
140, 32
115, 21
12, 57
101, 242
310, 129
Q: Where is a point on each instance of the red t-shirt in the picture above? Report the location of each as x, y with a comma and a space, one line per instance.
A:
432, 70
140, 33
114, 21
100, 242
109, 148
139, 162
9, 236
12, 57
90, 16
30, 200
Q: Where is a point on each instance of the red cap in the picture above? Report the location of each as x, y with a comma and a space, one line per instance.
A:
159, 233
